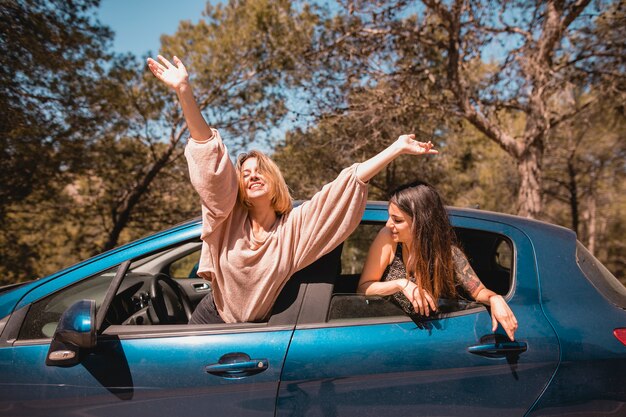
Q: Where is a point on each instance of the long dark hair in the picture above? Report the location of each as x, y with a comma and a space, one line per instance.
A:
430, 257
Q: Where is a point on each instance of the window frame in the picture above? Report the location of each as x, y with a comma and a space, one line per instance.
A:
310, 315
607, 284
130, 331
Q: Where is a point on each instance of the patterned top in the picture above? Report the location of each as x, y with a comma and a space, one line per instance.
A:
464, 276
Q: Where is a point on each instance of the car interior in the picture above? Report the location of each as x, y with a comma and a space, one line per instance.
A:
163, 288
489, 254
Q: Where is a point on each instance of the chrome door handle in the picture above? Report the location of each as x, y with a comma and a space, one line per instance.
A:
498, 350
201, 287
237, 365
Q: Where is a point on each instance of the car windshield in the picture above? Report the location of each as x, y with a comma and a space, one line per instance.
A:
601, 277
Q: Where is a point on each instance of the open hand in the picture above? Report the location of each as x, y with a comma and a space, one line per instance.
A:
172, 75
501, 313
422, 301
408, 145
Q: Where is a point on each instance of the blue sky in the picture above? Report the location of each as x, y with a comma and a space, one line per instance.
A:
138, 24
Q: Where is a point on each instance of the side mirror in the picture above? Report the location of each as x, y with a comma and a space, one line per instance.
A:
76, 329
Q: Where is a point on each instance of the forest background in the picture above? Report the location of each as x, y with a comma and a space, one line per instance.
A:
525, 101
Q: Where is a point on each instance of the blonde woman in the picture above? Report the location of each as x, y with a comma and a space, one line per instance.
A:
253, 240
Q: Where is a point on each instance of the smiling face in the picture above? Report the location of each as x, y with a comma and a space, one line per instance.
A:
261, 183
400, 224
255, 184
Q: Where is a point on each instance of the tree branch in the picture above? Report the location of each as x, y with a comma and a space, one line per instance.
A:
459, 85
558, 120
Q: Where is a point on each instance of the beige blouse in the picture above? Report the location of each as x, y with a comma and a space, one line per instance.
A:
247, 274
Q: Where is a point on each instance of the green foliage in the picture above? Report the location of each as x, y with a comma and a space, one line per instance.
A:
242, 58
132, 178
92, 143
50, 53
55, 233
586, 179
469, 171
479, 173
377, 116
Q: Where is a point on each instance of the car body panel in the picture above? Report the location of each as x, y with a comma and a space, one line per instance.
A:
147, 376
577, 309
354, 368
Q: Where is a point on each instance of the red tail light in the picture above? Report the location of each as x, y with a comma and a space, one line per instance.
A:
621, 335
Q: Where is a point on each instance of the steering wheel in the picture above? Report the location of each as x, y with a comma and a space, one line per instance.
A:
169, 302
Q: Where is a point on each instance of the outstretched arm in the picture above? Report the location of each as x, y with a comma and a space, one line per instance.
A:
500, 310
210, 169
404, 145
176, 77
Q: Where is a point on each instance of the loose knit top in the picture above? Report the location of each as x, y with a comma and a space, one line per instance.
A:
397, 270
247, 274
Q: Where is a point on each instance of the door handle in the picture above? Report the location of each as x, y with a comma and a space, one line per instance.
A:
237, 365
201, 287
499, 349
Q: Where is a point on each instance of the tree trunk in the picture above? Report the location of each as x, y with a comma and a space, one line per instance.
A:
573, 193
591, 218
122, 213
529, 169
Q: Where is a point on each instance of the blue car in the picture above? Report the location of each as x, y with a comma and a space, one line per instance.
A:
109, 336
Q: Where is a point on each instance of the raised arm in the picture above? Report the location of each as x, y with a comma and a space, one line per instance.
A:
404, 145
176, 77
210, 169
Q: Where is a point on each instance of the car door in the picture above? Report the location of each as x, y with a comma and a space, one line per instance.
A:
159, 370
151, 374
451, 364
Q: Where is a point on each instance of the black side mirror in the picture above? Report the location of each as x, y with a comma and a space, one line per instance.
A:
76, 329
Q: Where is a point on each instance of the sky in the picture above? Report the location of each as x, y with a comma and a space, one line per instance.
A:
139, 24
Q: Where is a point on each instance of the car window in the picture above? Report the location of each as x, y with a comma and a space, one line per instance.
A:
600, 277
186, 267
503, 256
43, 316
490, 254
132, 302
355, 248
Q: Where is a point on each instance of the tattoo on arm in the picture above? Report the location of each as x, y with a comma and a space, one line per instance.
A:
465, 275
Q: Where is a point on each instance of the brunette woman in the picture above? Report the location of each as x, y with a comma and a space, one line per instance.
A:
415, 261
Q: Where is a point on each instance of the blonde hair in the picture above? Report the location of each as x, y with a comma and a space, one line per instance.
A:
282, 202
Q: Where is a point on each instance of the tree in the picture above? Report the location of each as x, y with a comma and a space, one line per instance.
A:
585, 179
543, 47
370, 125
240, 58
50, 54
